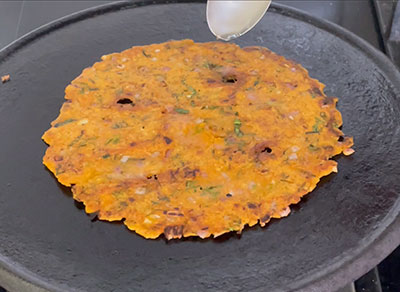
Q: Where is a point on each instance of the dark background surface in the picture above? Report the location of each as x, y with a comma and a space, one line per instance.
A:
19, 17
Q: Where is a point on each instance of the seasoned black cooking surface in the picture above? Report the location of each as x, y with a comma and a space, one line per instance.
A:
332, 237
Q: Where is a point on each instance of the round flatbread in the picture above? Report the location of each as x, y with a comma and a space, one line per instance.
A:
194, 139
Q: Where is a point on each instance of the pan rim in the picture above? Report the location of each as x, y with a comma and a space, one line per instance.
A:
355, 264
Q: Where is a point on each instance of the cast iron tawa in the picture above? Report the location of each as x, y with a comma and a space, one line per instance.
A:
336, 234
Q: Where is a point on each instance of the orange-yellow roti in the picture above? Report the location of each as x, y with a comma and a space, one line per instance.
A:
194, 139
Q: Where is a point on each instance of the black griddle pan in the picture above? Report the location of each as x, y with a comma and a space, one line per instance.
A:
336, 234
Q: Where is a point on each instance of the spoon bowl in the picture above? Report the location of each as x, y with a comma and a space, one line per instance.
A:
230, 19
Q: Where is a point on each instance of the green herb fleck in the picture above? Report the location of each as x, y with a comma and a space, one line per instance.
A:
76, 140
236, 224
316, 126
120, 125
212, 191
64, 123
176, 95
181, 111
59, 170
210, 107
237, 124
145, 54
165, 199
106, 156
193, 92
311, 147
256, 82
114, 140
190, 184
211, 66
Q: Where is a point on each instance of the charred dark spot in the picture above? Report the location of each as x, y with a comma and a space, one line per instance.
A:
131, 200
264, 170
328, 101
251, 206
211, 81
316, 90
173, 174
132, 144
229, 195
125, 101
58, 158
328, 148
308, 175
167, 140
174, 214
173, 231
188, 172
261, 151
205, 228
265, 218
229, 79
341, 139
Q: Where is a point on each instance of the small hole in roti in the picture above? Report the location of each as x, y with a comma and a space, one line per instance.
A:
125, 101
229, 79
267, 149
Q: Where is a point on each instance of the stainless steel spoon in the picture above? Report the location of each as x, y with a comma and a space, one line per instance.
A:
230, 19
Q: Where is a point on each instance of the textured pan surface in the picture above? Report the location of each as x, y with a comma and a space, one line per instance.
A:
335, 235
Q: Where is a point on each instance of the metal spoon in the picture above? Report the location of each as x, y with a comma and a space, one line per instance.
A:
230, 19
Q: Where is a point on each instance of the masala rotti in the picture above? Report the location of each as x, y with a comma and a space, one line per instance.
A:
194, 139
